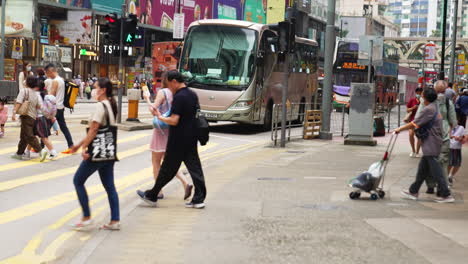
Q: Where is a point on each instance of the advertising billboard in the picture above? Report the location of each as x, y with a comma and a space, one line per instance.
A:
19, 18
77, 29
255, 10
158, 13
275, 11
195, 10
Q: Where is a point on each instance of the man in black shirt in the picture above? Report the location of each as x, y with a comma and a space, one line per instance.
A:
181, 145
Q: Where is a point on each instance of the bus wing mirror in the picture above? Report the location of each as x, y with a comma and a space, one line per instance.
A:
260, 59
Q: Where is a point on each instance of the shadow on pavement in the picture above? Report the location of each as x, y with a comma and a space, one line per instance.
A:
235, 128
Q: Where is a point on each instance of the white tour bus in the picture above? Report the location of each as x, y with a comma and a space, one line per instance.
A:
233, 67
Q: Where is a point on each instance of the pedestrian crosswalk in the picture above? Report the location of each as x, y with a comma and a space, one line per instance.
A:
135, 172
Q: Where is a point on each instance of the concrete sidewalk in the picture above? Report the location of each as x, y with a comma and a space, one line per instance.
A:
291, 205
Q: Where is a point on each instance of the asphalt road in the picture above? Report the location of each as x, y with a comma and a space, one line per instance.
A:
38, 200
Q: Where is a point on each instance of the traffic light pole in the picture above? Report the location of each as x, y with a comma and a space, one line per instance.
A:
121, 84
325, 131
284, 99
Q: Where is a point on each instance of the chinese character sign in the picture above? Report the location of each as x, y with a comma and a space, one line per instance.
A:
227, 9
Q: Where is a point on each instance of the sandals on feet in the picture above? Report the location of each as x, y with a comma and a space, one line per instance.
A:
115, 226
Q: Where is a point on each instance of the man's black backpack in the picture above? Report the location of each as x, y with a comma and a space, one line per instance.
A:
203, 133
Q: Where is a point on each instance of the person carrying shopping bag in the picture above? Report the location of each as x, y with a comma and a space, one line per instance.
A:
99, 151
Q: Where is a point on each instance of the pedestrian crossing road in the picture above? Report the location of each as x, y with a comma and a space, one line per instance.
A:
38, 200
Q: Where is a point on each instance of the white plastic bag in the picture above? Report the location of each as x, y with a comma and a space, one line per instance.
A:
376, 169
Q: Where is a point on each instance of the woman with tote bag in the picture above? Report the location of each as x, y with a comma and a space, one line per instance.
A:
99, 154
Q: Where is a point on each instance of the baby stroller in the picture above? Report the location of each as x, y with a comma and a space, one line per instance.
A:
372, 180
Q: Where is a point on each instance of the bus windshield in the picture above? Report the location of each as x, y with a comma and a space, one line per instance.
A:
219, 57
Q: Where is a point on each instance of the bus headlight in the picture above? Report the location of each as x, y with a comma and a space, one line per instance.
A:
242, 104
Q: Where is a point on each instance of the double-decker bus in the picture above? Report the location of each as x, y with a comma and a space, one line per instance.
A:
233, 67
347, 70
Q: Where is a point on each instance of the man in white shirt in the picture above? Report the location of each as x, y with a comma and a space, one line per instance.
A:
57, 89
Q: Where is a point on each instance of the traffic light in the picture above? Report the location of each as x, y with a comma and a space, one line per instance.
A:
111, 29
286, 35
130, 29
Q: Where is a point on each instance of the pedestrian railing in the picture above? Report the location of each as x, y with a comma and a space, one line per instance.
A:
296, 115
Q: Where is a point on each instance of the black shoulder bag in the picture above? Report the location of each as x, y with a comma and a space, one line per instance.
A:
423, 131
104, 145
203, 128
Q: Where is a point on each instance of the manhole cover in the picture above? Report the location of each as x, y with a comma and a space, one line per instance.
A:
322, 207
274, 179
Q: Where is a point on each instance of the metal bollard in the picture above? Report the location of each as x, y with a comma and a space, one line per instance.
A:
133, 101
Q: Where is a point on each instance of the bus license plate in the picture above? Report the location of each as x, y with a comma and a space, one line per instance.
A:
210, 115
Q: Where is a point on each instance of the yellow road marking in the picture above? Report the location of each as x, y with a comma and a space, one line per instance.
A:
36, 207
12, 150
22, 164
28, 255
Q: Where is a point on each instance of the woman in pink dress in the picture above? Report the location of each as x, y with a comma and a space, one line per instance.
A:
3, 115
160, 136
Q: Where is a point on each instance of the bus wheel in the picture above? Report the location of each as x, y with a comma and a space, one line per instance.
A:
267, 119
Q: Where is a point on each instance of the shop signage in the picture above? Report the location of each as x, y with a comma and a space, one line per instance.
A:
76, 30
65, 55
276, 11
255, 10
108, 6
54, 53
228, 9
50, 53
114, 50
178, 26
84, 52
19, 18
17, 53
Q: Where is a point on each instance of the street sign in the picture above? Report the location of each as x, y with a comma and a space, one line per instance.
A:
179, 20
365, 49
17, 52
430, 52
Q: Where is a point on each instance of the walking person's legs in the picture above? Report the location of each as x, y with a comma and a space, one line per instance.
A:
412, 141
63, 126
438, 174
22, 144
193, 164
85, 170
106, 173
423, 171
169, 168
156, 158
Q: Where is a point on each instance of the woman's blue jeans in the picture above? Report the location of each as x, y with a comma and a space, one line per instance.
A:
106, 173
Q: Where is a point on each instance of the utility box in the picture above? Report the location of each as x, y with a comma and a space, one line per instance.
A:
361, 115
133, 96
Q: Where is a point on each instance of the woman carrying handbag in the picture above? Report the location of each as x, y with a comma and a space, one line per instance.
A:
99, 154
158, 143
